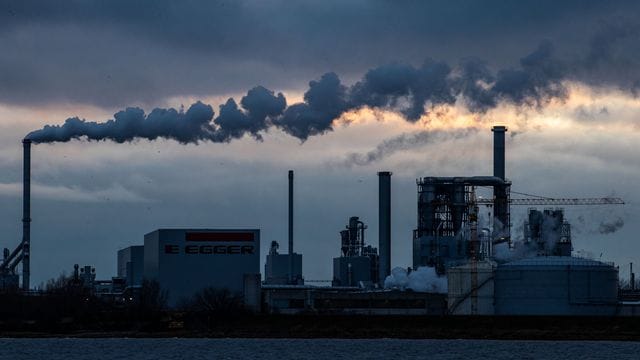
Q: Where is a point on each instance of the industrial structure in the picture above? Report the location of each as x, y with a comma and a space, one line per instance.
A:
384, 224
131, 265
185, 261
22, 253
278, 266
358, 264
452, 244
284, 268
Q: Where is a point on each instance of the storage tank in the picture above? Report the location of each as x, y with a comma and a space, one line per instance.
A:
556, 285
471, 288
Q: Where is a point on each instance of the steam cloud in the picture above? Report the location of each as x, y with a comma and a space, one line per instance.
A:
396, 87
424, 279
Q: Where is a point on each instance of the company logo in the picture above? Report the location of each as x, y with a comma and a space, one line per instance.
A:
194, 243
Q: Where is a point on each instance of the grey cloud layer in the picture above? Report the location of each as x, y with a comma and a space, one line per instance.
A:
411, 91
119, 53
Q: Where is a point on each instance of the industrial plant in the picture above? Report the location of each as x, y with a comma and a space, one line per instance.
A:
465, 261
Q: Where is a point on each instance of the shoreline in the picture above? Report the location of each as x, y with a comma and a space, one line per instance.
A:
368, 327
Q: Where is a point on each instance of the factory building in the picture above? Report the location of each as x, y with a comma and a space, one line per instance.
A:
283, 299
284, 269
536, 276
184, 261
444, 205
358, 264
276, 267
548, 232
131, 265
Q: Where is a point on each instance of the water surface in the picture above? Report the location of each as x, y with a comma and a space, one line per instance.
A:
283, 349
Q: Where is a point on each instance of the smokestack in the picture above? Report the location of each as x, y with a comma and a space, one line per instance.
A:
498, 151
26, 212
384, 224
290, 226
502, 225
632, 277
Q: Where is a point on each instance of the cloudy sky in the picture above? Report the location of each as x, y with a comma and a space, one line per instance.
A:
336, 90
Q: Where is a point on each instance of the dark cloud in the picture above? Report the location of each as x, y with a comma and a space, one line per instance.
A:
472, 82
324, 101
408, 90
120, 53
386, 86
538, 81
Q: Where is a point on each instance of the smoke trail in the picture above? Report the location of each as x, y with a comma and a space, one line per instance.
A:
611, 227
132, 123
402, 88
260, 103
405, 142
325, 101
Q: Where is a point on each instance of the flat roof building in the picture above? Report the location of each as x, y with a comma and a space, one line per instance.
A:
185, 261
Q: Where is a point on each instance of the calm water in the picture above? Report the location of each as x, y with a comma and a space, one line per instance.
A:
71, 349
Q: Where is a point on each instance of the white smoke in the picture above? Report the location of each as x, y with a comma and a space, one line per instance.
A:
424, 279
397, 280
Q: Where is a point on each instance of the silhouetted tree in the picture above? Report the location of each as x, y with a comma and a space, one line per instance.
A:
152, 296
211, 307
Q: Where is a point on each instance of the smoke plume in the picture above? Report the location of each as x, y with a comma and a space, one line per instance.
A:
408, 90
610, 227
405, 142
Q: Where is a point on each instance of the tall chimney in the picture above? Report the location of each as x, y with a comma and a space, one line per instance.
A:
26, 212
502, 225
498, 151
384, 224
290, 226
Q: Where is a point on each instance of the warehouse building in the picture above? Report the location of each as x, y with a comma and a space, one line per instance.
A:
185, 261
131, 265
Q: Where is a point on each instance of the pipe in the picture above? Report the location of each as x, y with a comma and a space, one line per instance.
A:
26, 213
11, 256
290, 226
384, 225
15, 263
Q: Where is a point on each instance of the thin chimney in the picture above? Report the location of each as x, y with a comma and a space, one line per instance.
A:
290, 226
384, 224
26, 213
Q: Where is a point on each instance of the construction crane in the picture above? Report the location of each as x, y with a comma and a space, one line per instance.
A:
561, 201
547, 201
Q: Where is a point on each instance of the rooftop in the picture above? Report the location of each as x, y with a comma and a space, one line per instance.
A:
557, 261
